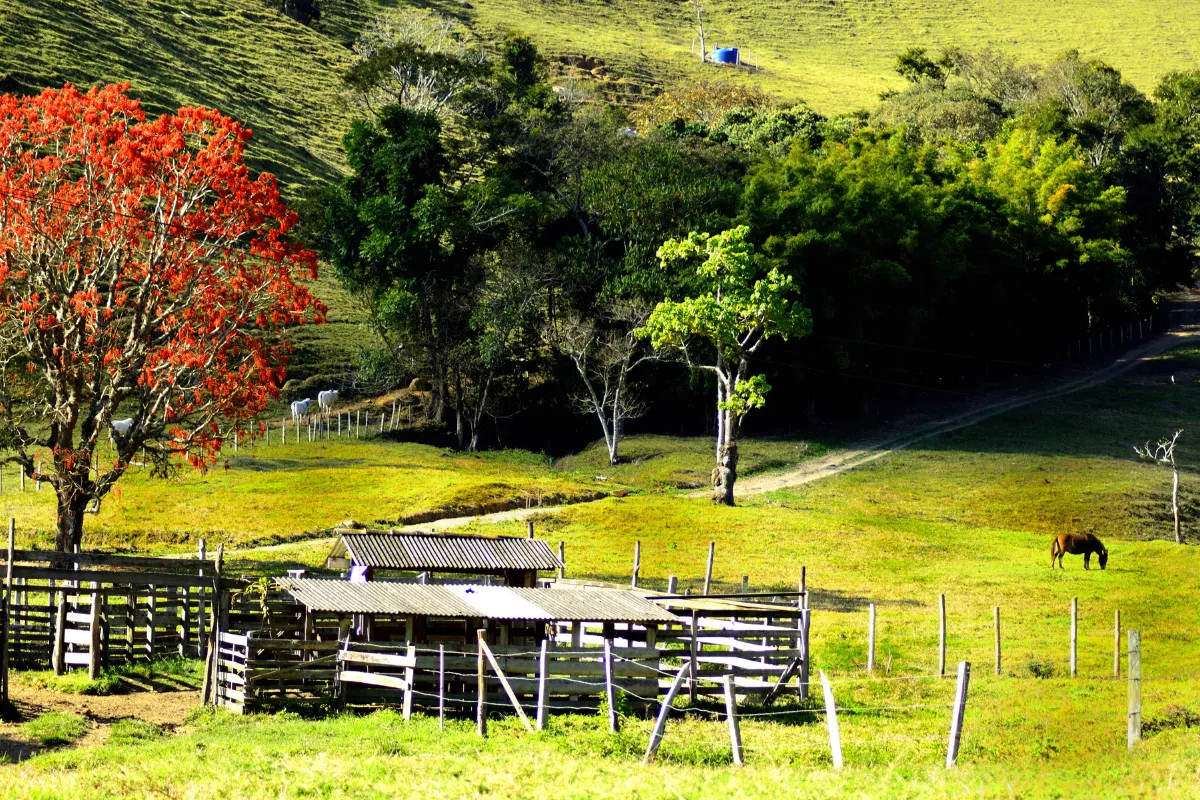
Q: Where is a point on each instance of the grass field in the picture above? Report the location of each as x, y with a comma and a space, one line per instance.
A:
839, 54
968, 514
280, 493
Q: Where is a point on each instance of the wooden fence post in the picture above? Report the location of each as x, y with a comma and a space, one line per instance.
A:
996, 620
410, 677
803, 602
637, 563
481, 706
735, 731
1117, 643
835, 736
543, 666
656, 735
94, 655
672, 584
8, 595
1135, 688
960, 707
942, 635
201, 639
58, 655
152, 591
614, 722
214, 645
871, 639
745, 584
805, 662
1074, 636
712, 548
441, 666
562, 560
693, 651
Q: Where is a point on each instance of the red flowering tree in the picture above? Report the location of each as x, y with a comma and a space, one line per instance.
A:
144, 276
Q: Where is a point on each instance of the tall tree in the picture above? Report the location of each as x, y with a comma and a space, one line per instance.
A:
143, 273
743, 302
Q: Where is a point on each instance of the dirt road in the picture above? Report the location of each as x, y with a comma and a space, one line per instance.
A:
849, 458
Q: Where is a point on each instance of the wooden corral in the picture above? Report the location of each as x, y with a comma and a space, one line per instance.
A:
759, 643
96, 609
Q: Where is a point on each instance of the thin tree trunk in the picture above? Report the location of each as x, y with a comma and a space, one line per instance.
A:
1175, 502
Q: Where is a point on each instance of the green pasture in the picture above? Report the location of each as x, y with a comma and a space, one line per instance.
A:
276, 493
969, 515
1010, 750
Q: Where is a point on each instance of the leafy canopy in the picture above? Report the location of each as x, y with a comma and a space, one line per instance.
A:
744, 304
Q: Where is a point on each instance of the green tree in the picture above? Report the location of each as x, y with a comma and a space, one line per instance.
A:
1065, 218
743, 303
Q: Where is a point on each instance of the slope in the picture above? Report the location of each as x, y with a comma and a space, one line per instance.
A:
839, 54
239, 56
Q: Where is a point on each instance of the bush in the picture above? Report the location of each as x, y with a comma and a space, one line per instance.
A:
55, 728
1171, 718
1041, 669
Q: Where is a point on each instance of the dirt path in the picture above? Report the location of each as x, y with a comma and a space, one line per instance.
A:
849, 458
167, 709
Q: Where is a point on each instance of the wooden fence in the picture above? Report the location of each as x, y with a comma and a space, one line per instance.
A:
66, 610
256, 672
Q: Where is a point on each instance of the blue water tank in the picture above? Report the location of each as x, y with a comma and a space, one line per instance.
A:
725, 55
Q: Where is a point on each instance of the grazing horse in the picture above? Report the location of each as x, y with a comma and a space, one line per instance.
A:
299, 409
326, 399
1076, 544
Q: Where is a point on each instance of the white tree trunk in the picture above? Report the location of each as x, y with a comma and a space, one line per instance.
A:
1175, 501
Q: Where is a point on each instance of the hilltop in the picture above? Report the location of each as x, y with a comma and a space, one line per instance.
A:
281, 77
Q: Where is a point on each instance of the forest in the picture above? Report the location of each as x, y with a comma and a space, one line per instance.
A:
552, 267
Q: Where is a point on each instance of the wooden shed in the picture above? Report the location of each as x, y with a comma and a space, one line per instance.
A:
516, 561
438, 613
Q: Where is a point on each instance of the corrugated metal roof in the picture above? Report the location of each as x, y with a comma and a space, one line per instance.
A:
492, 602
375, 597
431, 551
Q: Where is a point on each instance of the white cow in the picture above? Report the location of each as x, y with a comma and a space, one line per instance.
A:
326, 399
299, 409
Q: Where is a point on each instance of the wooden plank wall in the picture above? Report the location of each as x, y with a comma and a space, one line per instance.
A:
138, 622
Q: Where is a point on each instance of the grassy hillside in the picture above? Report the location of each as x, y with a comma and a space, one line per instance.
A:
281, 77
838, 54
249, 61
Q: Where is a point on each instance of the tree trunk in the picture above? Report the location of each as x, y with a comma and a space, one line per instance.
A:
1175, 503
725, 474
71, 505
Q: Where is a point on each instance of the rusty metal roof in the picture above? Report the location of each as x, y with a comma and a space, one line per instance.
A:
491, 602
432, 551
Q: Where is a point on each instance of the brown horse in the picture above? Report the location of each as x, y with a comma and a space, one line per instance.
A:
1078, 544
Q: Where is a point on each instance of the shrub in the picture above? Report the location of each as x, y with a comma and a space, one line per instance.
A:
1171, 718
55, 728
